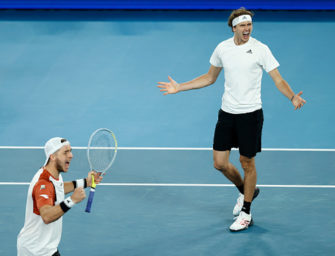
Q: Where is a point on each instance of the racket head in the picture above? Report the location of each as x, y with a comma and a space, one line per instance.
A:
101, 150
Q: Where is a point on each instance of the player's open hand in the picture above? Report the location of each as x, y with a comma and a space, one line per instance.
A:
97, 178
297, 101
169, 87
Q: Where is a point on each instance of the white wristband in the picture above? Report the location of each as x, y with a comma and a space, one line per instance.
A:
80, 183
68, 202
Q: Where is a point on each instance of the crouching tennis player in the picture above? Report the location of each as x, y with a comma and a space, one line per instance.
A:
46, 202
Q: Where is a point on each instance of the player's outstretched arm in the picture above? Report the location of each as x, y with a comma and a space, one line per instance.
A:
207, 79
285, 89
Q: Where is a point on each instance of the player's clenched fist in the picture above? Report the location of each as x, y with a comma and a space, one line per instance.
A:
78, 195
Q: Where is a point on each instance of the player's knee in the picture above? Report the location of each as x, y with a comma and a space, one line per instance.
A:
248, 164
221, 166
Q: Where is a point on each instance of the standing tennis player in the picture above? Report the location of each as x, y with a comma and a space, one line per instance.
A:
240, 119
46, 203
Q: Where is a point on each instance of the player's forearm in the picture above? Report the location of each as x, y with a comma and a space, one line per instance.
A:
68, 187
50, 213
197, 83
285, 88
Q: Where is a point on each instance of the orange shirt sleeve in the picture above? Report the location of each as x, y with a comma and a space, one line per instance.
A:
43, 194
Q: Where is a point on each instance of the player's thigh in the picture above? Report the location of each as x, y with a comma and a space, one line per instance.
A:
225, 133
249, 130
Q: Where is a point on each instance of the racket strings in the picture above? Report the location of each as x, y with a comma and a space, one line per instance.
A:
101, 150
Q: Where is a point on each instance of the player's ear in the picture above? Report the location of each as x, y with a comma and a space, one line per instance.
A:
52, 157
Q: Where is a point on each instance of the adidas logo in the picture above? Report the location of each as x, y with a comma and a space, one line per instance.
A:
250, 51
244, 18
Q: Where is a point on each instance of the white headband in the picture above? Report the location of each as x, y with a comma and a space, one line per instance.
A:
240, 19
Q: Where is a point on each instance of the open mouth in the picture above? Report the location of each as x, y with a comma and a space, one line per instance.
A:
246, 34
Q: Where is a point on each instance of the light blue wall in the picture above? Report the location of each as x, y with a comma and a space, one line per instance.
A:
67, 73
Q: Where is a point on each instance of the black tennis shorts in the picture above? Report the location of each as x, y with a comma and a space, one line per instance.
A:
243, 131
56, 253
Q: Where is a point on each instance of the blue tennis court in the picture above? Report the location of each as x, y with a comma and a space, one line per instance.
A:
66, 73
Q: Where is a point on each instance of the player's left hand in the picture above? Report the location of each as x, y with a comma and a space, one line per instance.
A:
97, 178
297, 101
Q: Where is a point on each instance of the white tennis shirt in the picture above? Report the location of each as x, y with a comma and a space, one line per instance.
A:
243, 69
37, 238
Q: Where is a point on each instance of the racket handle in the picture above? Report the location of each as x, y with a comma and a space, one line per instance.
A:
90, 200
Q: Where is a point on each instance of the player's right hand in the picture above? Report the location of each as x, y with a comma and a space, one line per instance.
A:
170, 87
78, 195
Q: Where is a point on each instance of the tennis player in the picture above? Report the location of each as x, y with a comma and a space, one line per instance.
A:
46, 203
240, 119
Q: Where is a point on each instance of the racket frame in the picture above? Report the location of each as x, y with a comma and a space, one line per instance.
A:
93, 185
88, 149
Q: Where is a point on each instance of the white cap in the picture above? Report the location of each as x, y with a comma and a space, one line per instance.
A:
53, 145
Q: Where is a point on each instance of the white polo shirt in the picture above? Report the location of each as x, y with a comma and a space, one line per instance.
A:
243, 69
37, 238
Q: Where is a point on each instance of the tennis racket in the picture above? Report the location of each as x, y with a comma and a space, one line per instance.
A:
101, 153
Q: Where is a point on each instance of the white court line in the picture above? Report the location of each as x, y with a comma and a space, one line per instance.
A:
181, 148
211, 185
187, 185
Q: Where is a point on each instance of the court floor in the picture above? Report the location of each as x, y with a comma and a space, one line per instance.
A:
173, 202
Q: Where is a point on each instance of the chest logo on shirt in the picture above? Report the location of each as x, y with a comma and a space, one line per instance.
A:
250, 51
42, 187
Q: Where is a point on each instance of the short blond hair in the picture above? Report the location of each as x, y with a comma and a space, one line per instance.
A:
236, 13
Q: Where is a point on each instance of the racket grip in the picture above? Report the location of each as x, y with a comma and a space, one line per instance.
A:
90, 200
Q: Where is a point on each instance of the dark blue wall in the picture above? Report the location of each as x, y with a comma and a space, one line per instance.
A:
169, 4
